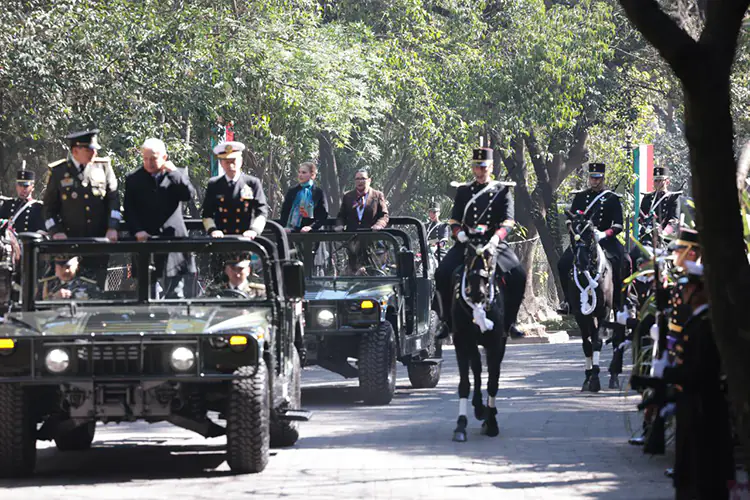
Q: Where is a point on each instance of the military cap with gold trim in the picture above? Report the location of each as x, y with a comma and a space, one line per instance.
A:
87, 138
597, 169
229, 149
660, 173
687, 238
24, 177
482, 157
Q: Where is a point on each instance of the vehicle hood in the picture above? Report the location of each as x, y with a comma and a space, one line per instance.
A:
150, 320
346, 290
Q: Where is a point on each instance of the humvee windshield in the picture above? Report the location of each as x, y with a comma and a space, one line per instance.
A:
171, 277
343, 255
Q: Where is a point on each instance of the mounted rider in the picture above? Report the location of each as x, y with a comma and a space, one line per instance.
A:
481, 202
661, 207
437, 232
604, 208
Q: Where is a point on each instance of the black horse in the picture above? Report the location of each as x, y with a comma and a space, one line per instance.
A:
478, 320
591, 292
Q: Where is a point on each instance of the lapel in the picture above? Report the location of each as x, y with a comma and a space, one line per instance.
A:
371, 204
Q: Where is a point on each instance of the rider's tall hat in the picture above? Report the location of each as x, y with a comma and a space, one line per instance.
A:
24, 177
482, 157
597, 169
434, 206
660, 173
687, 238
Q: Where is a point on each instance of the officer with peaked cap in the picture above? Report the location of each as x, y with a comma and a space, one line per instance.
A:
81, 198
659, 208
437, 232
604, 209
235, 202
24, 212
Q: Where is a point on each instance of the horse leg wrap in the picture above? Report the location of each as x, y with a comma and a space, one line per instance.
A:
491, 401
597, 355
463, 404
589, 364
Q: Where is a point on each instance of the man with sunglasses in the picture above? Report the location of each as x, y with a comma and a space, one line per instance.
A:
604, 208
234, 202
489, 203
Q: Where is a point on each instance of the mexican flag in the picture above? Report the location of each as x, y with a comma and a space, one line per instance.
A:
643, 167
222, 132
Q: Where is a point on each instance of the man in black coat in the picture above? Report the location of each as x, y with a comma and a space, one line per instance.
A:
24, 211
154, 195
235, 202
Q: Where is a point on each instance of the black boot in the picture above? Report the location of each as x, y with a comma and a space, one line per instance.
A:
515, 333
443, 331
585, 387
594, 384
489, 427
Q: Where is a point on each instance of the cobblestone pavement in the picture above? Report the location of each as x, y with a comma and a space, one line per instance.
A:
554, 443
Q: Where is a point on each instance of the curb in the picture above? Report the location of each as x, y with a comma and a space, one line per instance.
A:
560, 337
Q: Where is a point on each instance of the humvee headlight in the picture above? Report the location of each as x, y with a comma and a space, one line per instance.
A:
7, 344
57, 360
325, 318
182, 359
367, 304
236, 340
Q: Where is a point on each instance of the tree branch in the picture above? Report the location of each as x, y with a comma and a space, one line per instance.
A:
671, 41
576, 156
723, 23
540, 167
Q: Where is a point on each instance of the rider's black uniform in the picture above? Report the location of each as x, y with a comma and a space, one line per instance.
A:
664, 207
494, 208
606, 214
439, 231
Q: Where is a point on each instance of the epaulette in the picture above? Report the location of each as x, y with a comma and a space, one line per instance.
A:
87, 280
675, 193
104, 159
506, 183
579, 191
58, 162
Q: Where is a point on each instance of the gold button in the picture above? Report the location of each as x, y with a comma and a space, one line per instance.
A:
64, 197
225, 221
88, 208
85, 196
238, 210
238, 221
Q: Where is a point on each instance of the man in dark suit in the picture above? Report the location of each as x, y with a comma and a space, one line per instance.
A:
235, 202
154, 195
362, 207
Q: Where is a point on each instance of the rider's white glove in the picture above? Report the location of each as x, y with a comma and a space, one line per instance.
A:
492, 245
461, 237
654, 332
599, 235
622, 316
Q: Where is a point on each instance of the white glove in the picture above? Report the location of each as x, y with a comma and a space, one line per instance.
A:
492, 245
622, 316
461, 237
653, 332
599, 235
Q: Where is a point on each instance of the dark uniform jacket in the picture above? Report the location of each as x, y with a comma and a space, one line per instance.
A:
154, 204
81, 288
31, 219
704, 452
233, 209
320, 214
605, 213
375, 211
437, 230
493, 208
661, 204
81, 204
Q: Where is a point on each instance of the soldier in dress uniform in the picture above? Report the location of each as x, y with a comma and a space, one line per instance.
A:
489, 202
604, 209
437, 232
704, 462
659, 207
81, 198
24, 211
66, 283
235, 202
238, 275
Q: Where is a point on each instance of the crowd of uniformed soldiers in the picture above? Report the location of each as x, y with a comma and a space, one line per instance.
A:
81, 200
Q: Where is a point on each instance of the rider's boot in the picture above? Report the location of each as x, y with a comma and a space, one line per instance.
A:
564, 308
489, 427
594, 384
585, 387
443, 330
478, 404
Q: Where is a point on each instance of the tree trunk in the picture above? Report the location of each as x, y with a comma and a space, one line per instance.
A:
328, 172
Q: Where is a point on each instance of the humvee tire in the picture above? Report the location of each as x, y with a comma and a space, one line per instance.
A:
17, 433
248, 420
78, 439
377, 365
285, 432
427, 376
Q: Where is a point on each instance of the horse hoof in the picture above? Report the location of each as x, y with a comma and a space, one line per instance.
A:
490, 428
594, 384
614, 382
459, 436
587, 382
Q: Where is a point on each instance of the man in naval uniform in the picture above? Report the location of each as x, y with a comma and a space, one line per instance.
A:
604, 209
234, 202
488, 202
659, 208
24, 212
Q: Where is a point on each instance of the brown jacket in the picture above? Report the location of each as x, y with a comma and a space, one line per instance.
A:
375, 213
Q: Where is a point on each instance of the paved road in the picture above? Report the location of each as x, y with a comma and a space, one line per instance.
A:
554, 443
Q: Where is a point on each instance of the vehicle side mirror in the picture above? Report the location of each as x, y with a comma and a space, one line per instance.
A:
406, 263
293, 274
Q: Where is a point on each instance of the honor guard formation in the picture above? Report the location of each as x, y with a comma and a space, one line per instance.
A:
479, 281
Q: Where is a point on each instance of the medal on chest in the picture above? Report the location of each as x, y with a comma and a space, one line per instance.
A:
246, 193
